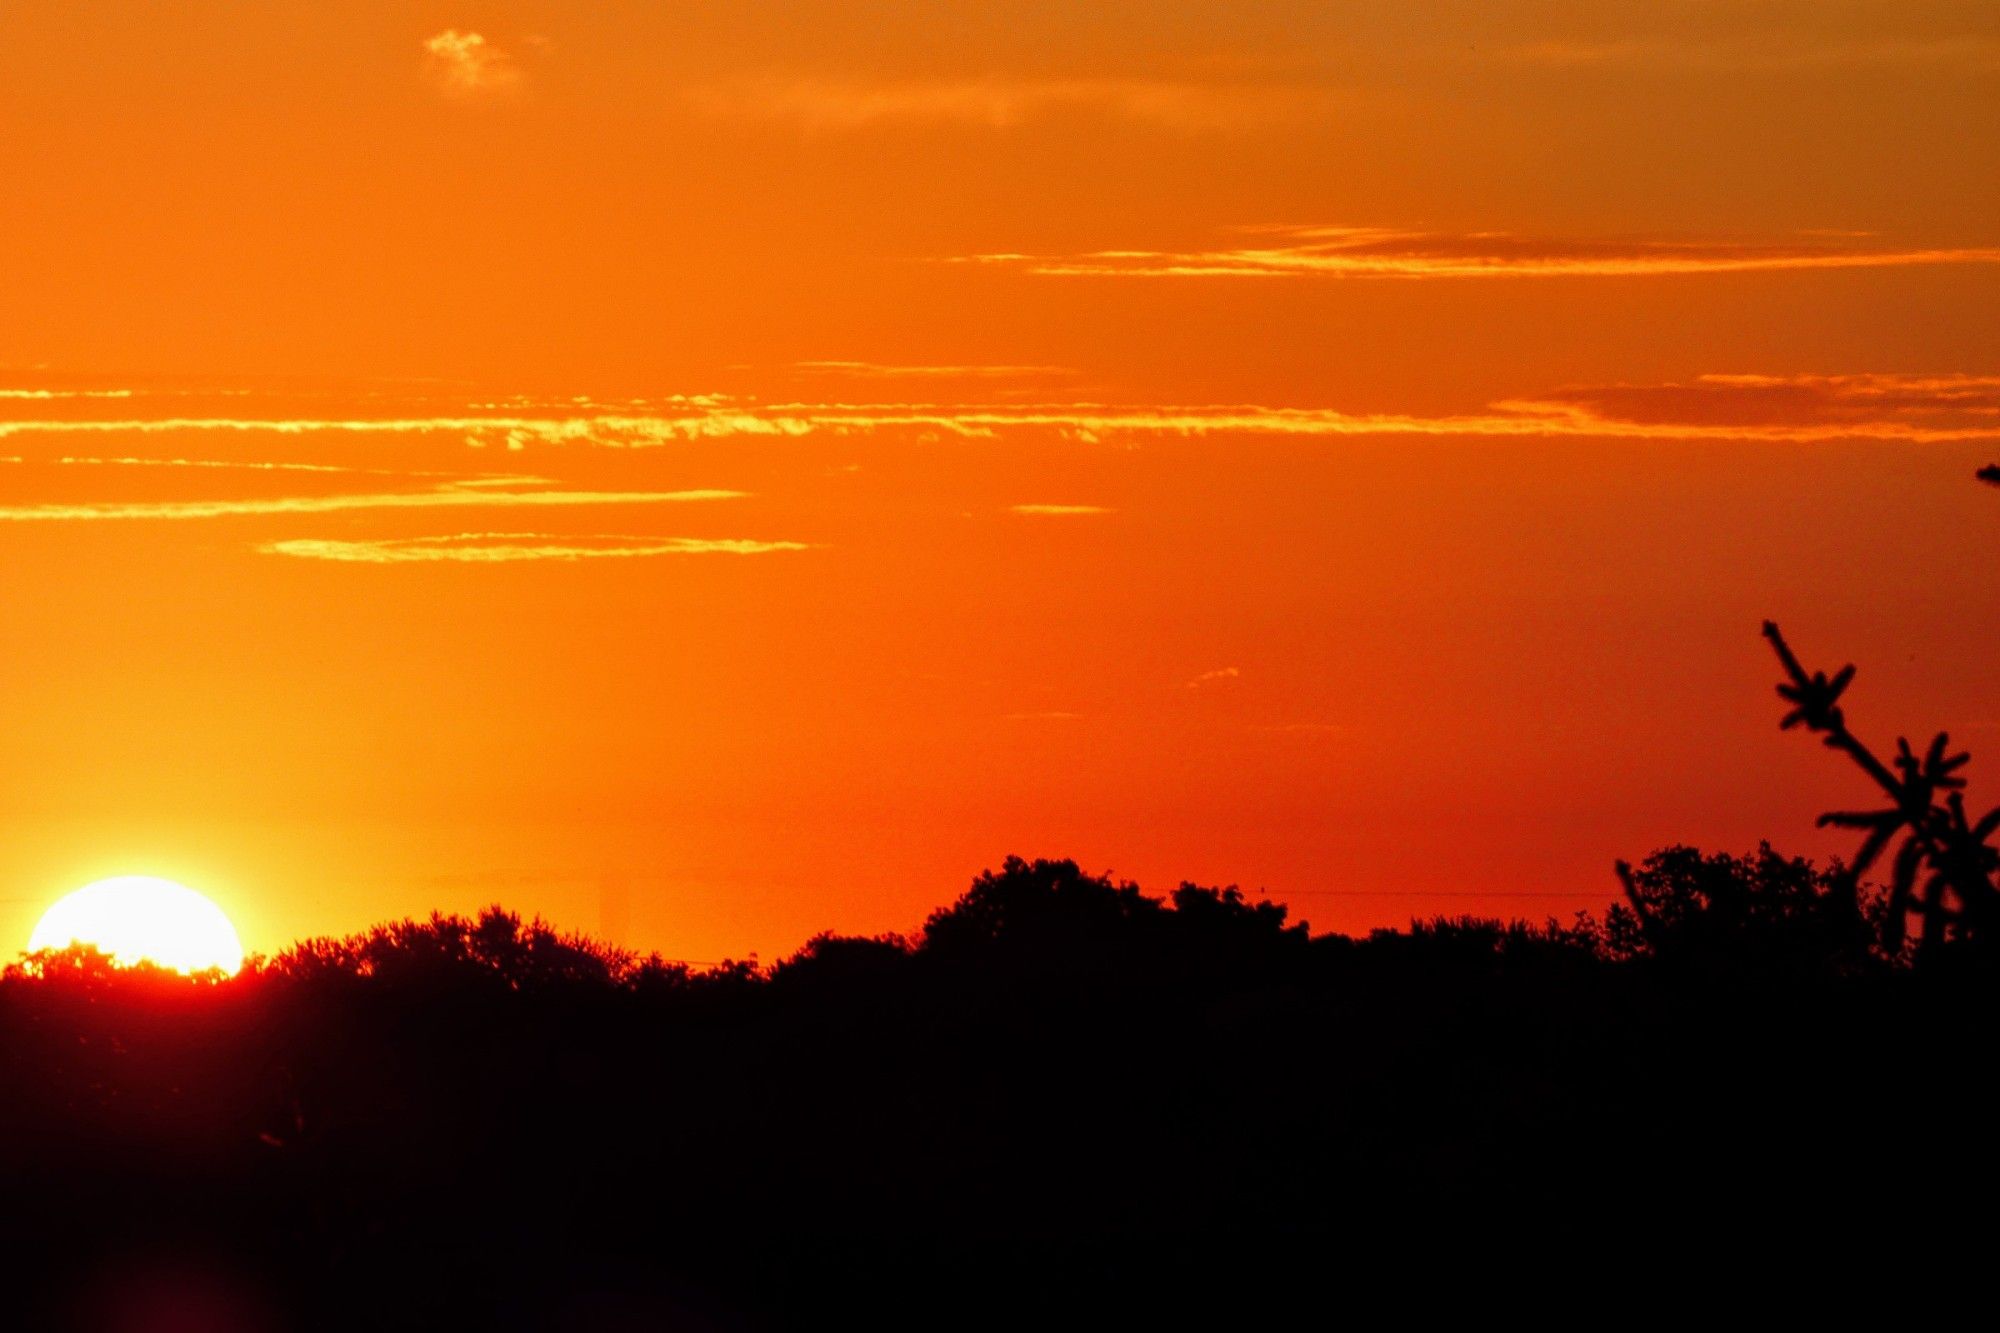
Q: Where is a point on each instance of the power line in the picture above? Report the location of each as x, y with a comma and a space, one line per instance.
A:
1424, 893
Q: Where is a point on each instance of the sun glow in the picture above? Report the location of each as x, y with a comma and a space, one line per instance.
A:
137, 918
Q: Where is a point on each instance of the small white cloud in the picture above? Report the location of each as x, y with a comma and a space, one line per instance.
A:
465, 63
1060, 511
1214, 677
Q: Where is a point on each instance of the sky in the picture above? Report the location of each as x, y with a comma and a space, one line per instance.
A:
711, 473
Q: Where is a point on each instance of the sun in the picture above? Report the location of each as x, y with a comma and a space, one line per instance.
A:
137, 918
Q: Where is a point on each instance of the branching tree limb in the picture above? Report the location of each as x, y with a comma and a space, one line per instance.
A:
1944, 874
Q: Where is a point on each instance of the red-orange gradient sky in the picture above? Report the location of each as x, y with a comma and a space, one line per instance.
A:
714, 472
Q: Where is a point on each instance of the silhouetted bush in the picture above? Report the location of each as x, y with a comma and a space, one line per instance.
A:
1048, 907
1223, 919
1760, 913
1469, 943
832, 961
495, 948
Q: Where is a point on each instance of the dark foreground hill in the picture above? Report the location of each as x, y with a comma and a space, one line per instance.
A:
1064, 1104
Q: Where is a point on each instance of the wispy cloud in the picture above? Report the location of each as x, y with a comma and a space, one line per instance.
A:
464, 64
1973, 52
1919, 407
1215, 677
1003, 102
1801, 409
506, 480
226, 465
443, 497
57, 395
874, 371
1372, 252
694, 421
1059, 511
498, 548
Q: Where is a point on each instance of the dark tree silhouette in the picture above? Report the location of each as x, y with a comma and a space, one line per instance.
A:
1040, 907
1066, 1095
834, 961
1224, 917
1760, 913
1471, 945
86, 967
496, 948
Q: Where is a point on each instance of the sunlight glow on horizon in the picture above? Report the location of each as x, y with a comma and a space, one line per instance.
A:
141, 918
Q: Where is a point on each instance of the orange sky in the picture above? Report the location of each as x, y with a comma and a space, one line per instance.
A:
721, 471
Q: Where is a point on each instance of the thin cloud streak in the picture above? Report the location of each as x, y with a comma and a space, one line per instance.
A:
874, 370
1371, 252
1967, 51
1917, 409
1874, 405
698, 422
1059, 511
496, 548
448, 497
52, 395
221, 465
1525, 417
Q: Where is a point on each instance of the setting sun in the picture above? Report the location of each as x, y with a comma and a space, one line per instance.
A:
137, 918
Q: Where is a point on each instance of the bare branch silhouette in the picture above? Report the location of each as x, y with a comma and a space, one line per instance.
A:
1944, 873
